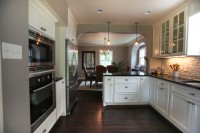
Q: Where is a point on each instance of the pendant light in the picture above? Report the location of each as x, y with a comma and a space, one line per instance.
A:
104, 51
136, 42
108, 42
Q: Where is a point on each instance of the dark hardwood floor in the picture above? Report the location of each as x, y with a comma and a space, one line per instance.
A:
89, 116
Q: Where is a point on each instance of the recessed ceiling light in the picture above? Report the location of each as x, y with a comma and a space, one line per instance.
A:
147, 12
99, 10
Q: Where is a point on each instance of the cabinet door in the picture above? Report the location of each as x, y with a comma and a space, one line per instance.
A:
195, 128
179, 33
152, 91
108, 92
49, 25
34, 15
180, 111
162, 100
156, 40
165, 32
60, 90
144, 89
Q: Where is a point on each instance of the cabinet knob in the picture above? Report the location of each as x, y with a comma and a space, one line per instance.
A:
62, 82
126, 86
161, 88
162, 83
126, 79
192, 94
108, 79
125, 97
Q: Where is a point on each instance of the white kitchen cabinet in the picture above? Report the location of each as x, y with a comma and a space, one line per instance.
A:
152, 91
127, 89
46, 126
71, 28
162, 96
41, 19
184, 109
60, 98
156, 40
108, 90
144, 89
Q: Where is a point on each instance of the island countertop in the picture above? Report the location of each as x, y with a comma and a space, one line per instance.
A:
132, 73
170, 78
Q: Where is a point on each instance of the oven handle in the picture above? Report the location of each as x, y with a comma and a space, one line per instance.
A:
43, 87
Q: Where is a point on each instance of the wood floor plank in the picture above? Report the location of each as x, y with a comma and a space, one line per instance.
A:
89, 116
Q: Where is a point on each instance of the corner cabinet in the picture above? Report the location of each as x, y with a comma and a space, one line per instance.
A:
71, 28
41, 19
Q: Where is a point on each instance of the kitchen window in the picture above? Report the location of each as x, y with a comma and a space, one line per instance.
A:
106, 58
141, 56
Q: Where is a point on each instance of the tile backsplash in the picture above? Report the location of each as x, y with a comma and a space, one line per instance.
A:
189, 66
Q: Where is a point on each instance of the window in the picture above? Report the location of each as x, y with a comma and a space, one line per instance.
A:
106, 59
142, 54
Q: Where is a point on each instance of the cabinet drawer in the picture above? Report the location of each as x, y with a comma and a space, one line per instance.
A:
163, 83
129, 87
126, 97
127, 79
186, 91
108, 79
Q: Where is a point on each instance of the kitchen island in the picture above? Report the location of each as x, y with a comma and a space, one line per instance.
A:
175, 98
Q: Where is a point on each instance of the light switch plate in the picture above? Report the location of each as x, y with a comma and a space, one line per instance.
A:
11, 51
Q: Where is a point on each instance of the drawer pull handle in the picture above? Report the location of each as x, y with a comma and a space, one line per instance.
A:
192, 94
161, 88
126, 86
126, 79
108, 79
125, 97
162, 83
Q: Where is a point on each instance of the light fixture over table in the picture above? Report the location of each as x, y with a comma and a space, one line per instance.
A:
104, 51
136, 42
108, 42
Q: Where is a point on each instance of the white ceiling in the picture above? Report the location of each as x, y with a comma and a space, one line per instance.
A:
118, 12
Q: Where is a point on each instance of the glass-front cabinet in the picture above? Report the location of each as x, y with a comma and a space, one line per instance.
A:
165, 38
172, 35
178, 33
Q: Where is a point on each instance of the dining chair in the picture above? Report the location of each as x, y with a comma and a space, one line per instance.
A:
99, 73
89, 76
112, 69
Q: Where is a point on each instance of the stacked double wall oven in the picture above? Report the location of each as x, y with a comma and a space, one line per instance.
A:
41, 77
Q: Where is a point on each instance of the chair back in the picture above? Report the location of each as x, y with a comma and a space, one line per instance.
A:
99, 73
85, 72
128, 69
112, 69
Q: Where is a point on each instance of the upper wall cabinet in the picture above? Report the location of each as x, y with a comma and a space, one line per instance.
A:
172, 34
72, 27
177, 34
41, 19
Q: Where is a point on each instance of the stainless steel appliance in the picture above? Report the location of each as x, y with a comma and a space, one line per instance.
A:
41, 49
71, 75
42, 97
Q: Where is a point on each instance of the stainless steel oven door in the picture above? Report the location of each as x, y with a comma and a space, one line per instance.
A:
42, 98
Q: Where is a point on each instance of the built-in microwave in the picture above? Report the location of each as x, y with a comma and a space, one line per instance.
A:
41, 49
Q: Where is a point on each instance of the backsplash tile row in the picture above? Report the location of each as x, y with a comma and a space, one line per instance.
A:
189, 66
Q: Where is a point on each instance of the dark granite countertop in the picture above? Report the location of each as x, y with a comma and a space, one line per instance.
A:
58, 78
179, 80
132, 73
